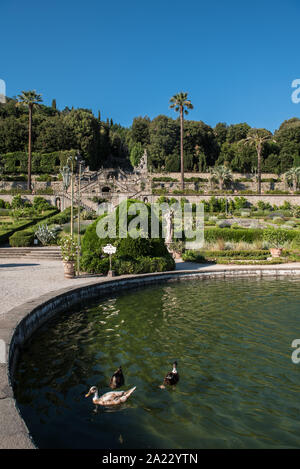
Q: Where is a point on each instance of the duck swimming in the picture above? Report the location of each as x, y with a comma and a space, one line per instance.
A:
171, 378
110, 398
117, 379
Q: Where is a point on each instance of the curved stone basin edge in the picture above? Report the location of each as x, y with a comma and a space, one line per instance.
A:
20, 323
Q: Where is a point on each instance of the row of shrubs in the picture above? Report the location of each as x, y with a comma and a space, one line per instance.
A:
6, 235
251, 254
205, 256
248, 235
20, 209
16, 162
273, 261
22, 238
39, 210
46, 191
234, 205
229, 257
122, 266
25, 237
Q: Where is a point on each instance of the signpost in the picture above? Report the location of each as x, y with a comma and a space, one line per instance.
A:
110, 249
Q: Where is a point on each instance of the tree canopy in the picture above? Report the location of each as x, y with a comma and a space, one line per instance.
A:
105, 143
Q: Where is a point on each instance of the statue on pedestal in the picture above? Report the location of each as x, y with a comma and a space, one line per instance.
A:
169, 217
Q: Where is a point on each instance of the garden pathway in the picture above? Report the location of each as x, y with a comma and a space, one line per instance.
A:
22, 279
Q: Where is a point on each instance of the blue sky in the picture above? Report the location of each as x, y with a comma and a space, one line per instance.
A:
236, 59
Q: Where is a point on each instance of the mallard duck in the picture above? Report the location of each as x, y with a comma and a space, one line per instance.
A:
171, 378
110, 398
117, 379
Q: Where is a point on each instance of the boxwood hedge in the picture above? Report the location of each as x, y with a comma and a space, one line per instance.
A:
248, 235
22, 239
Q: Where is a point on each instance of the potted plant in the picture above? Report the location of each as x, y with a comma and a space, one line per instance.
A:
176, 248
275, 237
69, 250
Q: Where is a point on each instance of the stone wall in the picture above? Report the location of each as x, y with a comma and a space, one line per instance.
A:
38, 185
50, 198
253, 199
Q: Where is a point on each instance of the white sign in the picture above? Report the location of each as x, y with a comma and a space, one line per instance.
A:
109, 249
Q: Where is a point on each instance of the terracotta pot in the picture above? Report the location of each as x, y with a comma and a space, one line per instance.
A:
69, 268
276, 252
177, 255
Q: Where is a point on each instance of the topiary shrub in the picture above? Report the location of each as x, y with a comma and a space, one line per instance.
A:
139, 255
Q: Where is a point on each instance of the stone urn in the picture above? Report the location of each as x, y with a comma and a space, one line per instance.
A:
69, 269
276, 252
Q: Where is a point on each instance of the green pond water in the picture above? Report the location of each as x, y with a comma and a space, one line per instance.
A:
232, 340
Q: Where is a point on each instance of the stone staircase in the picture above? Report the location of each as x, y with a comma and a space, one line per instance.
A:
38, 253
89, 206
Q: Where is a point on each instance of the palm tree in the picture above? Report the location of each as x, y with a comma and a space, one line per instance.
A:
29, 99
293, 176
222, 174
258, 137
181, 104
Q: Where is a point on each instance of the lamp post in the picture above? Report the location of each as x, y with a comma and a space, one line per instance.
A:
67, 176
71, 159
80, 163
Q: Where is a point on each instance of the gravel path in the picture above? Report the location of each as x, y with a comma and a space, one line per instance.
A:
22, 279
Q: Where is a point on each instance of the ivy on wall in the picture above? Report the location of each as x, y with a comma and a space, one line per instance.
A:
42, 163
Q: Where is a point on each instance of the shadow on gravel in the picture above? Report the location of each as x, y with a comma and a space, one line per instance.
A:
17, 265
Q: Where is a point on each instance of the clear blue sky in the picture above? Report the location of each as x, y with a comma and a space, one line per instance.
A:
236, 59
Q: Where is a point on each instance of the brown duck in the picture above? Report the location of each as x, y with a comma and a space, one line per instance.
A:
171, 378
117, 379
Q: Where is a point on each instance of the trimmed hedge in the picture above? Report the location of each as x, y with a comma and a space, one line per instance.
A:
46, 191
21, 239
207, 256
238, 257
248, 235
277, 260
4, 237
58, 219
16, 162
122, 266
255, 254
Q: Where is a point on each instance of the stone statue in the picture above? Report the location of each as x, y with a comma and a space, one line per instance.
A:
169, 216
142, 167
